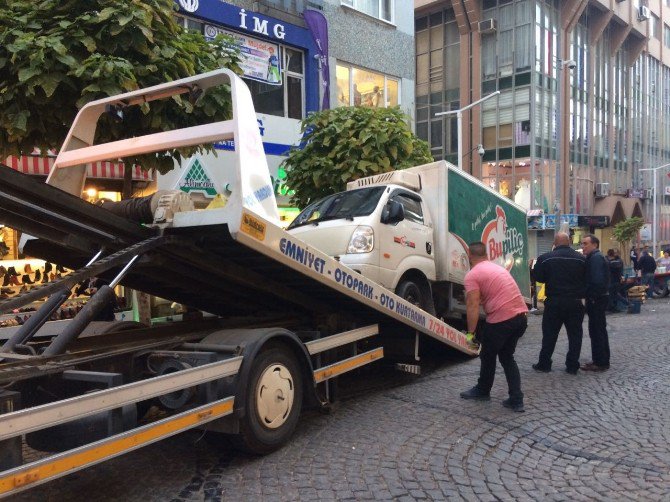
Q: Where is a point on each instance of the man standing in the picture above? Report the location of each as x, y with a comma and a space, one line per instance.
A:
563, 271
647, 266
492, 286
597, 285
616, 273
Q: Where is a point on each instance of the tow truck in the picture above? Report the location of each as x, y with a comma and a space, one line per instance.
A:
287, 318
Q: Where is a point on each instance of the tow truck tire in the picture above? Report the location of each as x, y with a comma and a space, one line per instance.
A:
273, 401
415, 294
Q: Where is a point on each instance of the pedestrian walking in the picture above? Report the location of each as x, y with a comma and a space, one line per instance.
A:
563, 271
490, 285
597, 298
647, 266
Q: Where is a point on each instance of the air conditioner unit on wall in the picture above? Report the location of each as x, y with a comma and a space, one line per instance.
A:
644, 13
488, 26
602, 189
648, 193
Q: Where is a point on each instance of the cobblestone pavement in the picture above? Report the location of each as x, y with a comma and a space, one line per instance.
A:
587, 437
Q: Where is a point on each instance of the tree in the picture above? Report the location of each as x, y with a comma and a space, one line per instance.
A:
57, 55
347, 143
626, 230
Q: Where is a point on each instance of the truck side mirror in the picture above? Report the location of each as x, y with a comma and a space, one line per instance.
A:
393, 213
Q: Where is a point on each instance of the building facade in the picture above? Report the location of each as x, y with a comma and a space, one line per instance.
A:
583, 110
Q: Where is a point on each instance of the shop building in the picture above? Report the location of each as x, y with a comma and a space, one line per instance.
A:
584, 105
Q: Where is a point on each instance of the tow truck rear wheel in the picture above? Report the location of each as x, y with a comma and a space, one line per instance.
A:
273, 401
416, 294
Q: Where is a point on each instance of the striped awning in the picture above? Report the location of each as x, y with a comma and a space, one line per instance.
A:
535, 212
41, 166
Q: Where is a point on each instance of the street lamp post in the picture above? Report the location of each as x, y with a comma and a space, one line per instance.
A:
570, 64
459, 124
653, 214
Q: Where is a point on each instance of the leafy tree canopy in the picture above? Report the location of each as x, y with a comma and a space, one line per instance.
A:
627, 230
347, 143
57, 55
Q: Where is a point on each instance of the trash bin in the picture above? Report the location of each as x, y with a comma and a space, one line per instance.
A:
635, 307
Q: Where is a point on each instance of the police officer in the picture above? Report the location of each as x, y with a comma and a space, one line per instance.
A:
563, 271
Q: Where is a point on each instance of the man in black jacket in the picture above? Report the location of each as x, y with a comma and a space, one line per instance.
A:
616, 273
563, 272
597, 298
647, 266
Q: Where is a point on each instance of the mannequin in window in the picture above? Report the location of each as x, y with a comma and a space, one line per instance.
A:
357, 96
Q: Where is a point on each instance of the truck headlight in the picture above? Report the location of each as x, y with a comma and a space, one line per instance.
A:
362, 240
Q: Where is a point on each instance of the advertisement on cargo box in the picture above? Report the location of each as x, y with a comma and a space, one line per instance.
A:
484, 217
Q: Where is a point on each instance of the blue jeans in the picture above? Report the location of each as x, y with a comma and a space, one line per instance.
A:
648, 280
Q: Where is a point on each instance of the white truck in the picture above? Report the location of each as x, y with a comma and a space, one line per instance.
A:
408, 230
289, 318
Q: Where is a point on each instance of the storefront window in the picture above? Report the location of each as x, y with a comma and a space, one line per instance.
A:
358, 87
381, 9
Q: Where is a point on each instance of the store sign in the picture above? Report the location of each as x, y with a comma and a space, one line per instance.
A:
260, 59
197, 179
667, 191
548, 221
635, 193
189, 5
645, 232
594, 221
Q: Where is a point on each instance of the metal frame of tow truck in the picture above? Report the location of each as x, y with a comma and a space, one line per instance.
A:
36, 418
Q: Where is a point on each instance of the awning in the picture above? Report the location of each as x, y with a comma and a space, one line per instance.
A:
534, 212
41, 166
618, 208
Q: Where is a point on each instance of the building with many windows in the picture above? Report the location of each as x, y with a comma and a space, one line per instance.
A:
584, 105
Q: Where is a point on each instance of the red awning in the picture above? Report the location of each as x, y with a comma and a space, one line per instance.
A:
34, 164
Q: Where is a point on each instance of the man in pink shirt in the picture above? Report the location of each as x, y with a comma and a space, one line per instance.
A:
492, 286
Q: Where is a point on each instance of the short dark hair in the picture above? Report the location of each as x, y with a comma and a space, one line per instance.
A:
593, 238
477, 249
610, 252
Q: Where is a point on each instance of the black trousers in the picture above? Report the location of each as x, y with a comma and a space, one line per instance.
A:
499, 340
559, 311
600, 345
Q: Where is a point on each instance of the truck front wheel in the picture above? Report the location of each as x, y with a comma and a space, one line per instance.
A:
273, 401
415, 294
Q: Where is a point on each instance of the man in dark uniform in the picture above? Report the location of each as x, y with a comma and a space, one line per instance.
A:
597, 298
563, 272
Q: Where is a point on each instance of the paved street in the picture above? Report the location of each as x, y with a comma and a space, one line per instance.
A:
591, 436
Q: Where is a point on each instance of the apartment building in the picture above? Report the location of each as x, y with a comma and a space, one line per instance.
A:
583, 109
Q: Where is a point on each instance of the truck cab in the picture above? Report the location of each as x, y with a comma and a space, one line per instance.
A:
383, 231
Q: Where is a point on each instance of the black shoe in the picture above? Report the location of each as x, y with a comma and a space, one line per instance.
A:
476, 394
518, 407
571, 371
541, 369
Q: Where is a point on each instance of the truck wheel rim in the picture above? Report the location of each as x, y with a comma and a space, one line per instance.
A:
274, 396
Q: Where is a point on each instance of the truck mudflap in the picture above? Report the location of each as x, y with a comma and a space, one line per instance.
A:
22, 422
274, 242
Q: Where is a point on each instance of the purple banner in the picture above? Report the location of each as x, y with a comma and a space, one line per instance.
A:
318, 27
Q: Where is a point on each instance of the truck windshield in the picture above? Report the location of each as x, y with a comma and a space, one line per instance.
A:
343, 205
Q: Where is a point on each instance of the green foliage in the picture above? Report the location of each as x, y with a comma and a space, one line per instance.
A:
626, 230
57, 55
344, 144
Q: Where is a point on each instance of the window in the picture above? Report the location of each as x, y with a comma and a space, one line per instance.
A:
357, 87
381, 9
412, 206
274, 73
